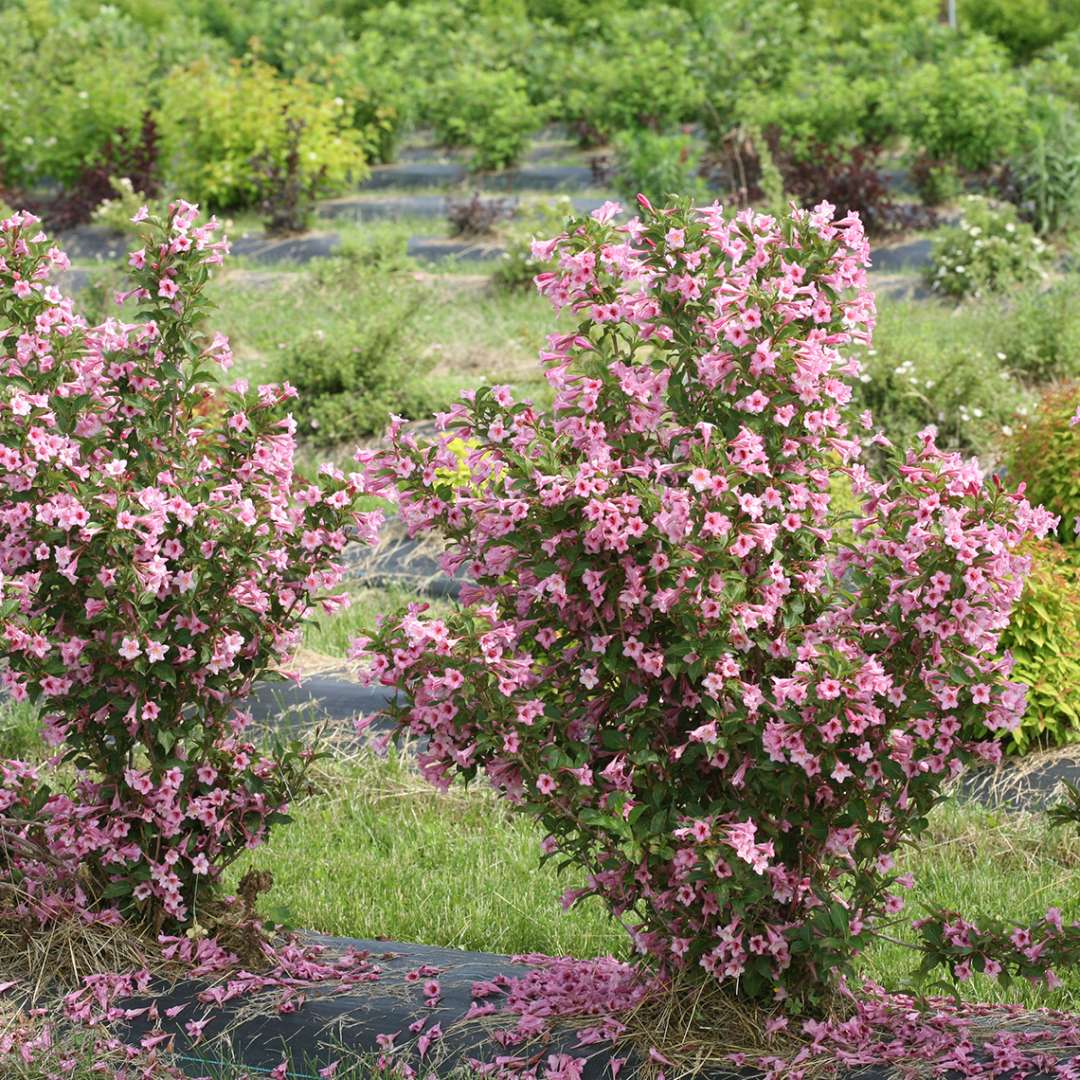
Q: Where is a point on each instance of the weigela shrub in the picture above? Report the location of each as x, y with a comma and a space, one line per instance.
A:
987, 249
158, 553
729, 723
1004, 951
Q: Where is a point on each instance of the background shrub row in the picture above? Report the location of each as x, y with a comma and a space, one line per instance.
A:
993, 104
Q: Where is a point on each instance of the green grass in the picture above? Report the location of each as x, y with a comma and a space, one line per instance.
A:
378, 852
20, 733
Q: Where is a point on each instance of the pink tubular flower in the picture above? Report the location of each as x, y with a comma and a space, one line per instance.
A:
130, 649
156, 651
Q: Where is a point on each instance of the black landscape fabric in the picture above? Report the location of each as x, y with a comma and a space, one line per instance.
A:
330, 1027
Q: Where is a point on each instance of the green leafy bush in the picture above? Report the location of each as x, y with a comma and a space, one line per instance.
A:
1022, 26
215, 120
375, 95
1043, 636
348, 361
966, 107
604, 90
657, 165
294, 36
1057, 69
937, 182
822, 104
91, 79
416, 44
932, 366
1045, 454
487, 111
744, 48
988, 248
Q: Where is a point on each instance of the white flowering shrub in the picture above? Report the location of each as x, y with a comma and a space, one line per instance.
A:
990, 247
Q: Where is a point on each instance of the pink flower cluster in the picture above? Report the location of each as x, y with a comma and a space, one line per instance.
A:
727, 720
998, 949
158, 552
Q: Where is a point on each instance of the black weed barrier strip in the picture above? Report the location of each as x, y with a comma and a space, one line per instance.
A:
249, 1035
440, 174
288, 708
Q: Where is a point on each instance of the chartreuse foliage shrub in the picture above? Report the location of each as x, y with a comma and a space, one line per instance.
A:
1043, 637
158, 555
987, 249
215, 120
726, 722
1044, 454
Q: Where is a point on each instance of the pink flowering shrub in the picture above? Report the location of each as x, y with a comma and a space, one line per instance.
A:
158, 553
728, 720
